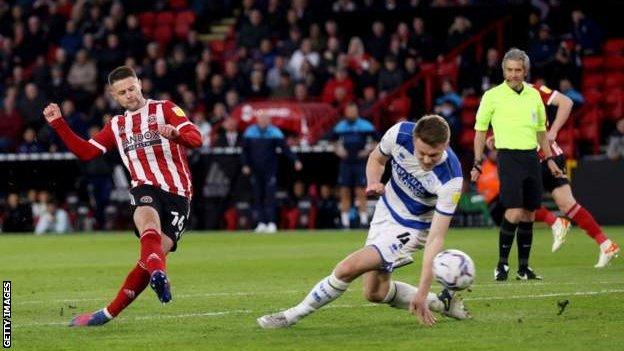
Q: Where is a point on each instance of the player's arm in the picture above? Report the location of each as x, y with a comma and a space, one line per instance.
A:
375, 167
564, 107
84, 150
178, 128
435, 242
281, 143
482, 124
543, 142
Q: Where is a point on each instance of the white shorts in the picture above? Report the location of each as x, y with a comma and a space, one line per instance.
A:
394, 242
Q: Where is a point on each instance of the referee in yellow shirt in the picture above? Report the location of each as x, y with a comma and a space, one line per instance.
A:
518, 118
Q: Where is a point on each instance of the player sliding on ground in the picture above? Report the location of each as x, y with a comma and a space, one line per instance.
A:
414, 211
151, 137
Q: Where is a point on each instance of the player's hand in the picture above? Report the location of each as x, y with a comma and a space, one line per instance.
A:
554, 169
341, 152
551, 135
52, 112
168, 131
420, 308
246, 170
375, 189
489, 142
298, 166
474, 174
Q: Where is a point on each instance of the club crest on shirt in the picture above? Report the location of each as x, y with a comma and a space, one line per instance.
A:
146, 199
178, 111
151, 119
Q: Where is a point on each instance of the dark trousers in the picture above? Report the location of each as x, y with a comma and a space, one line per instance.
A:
264, 185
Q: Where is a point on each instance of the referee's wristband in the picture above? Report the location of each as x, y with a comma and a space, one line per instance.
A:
477, 167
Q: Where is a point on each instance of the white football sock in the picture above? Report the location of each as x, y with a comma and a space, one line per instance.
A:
363, 218
344, 219
324, 292
400, 294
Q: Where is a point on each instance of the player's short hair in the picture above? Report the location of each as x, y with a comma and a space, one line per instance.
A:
119, 73
432, 130
516, 54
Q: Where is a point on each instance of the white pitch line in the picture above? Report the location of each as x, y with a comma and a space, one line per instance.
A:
288, 292
228, 312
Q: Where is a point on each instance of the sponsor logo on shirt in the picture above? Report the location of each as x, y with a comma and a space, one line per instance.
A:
141, 140
415, 187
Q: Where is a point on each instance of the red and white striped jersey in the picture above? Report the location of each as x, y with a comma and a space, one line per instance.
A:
149, 157
548, 96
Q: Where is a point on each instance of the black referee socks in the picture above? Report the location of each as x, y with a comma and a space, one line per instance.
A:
525, 240
505, 240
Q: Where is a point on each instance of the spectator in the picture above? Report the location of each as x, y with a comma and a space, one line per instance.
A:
299, 211
228, 135
353, 138
369, 99
30, 106
161, 78
29, 143
421, 43
10, 125
285, 88
216, 93
301, 92
274, 73
344, 6
327, 209
219, 113
377, 43
98, 173
57, 88
234, 78
390, 76
565, 86
490, 73
448, 110
17, 217
82, 75
232, 99
586, 33
71, 40
317, 39
448, 94
542, 51
204, 127
304, 53
54, 220
615, 148
78, 121
132, 37
458, 32
252, 32
340, 81
259, 159
358, 60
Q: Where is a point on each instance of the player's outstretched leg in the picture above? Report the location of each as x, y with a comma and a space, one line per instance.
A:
559, 226
155, 262
327, 290
379, 288
135, 283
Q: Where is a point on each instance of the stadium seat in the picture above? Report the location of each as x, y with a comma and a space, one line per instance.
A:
181, 30
615, 63
187, 17
147, 19
468, 117
592, 81
165, 18
590, 129
163, 34
592, 97
614, 47
593, 64
178, 4
614, 81
613, 109
471, 102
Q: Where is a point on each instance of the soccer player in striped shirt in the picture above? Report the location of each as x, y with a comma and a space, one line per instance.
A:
414, 212
151, 138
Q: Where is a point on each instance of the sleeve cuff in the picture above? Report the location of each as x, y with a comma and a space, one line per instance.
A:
444, 213
182, 125
383, 152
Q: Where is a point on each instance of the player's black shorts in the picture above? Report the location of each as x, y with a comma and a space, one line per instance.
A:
551, 182
352, 174
520, 176
173, 210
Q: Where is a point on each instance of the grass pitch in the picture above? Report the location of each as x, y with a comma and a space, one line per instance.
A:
223, 282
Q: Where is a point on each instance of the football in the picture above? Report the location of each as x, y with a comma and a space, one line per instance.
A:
454, 269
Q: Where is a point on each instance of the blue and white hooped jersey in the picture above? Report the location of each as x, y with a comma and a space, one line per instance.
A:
413, 194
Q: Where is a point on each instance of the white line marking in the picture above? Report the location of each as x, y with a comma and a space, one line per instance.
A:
288, 292
228, 312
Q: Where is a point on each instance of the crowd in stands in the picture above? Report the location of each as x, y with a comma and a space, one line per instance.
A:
62, 50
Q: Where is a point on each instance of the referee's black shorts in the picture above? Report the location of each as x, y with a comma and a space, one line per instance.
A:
520, 177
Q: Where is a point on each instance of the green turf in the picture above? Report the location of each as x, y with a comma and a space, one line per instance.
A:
223, 282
